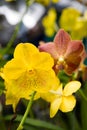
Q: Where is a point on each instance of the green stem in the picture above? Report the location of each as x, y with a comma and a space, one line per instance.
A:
11, 41
20, 127
82, 94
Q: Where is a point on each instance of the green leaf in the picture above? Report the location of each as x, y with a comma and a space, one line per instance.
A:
73, 122
84, 109
35, 122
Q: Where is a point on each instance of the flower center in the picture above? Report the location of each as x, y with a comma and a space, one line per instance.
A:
30, 70
55, 92
61, 59
61, 63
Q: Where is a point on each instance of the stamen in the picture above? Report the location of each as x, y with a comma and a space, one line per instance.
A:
61, 59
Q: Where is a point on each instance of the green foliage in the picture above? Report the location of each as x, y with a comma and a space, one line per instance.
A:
36, 123
64, 78
84, 109
2, 88
85, 44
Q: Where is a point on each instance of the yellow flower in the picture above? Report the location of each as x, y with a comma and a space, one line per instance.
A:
62, 99
15, 90
49, 22
68, 18
80, 27
46, 2
75, 23
29, 70
55, 1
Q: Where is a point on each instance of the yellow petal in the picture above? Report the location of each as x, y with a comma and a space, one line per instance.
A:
44, 62
55, 105
25, 51
43, 81
1, 73
69, 22
49, 31
53, 93
14, 68
71, 87
55, 1
11, 100
12, 96
14, 91
49, 97
22, 61
68, 103
79, 28
59, 91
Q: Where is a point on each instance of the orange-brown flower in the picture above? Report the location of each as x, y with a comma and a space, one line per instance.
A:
67, 53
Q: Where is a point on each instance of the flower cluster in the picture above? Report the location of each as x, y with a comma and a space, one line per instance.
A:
49, 22
35, 69
75, 22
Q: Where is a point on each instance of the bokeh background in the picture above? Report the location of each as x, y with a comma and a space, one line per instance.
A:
34, 22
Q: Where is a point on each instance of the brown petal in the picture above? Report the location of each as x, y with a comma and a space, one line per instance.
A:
72, 64
75, 48
61, 41
84, 55
50, 48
